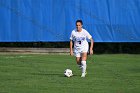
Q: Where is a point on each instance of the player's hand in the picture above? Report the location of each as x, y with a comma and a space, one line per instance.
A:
71, 53
91, 52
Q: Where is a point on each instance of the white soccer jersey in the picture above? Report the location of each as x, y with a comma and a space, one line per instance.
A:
80, 38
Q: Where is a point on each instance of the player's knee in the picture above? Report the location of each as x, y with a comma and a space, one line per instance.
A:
84, 58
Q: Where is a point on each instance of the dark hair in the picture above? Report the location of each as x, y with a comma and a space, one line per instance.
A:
79, 21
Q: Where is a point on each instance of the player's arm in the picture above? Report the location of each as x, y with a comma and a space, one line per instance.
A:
91, 40
91, 46
71, 50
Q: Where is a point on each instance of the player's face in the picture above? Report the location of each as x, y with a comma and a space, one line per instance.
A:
78, 26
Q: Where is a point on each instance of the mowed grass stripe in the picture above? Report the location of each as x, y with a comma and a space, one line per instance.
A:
37, 73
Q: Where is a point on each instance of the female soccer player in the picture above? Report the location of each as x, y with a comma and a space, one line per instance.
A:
79, 36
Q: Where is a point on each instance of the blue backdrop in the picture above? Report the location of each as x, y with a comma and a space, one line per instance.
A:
53, 20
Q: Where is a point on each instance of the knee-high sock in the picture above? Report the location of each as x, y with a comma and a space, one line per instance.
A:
84, 66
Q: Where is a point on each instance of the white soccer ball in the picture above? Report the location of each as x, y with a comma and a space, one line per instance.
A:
68, 73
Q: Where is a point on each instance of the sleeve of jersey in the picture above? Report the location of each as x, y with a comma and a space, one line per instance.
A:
88, 35
71, 36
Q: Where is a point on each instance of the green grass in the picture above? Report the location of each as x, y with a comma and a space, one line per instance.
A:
36, 73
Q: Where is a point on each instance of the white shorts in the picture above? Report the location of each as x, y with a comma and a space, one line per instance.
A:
78, 51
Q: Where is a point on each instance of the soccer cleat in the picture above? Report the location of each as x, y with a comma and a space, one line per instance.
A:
83, 74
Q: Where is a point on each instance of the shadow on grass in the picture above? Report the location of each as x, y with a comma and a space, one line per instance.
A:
51, 74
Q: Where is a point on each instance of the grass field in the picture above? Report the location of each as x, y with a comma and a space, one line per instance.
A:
40, 73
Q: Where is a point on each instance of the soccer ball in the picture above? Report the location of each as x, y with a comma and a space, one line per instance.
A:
68, 73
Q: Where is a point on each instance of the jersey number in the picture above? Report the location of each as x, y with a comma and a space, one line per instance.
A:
79, 42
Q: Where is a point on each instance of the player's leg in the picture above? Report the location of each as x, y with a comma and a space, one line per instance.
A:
78, 60
78, 57
83, 62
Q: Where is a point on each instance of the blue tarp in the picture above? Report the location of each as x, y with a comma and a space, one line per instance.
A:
53, 20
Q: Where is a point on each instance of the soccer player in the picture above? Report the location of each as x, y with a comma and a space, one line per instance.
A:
79, 36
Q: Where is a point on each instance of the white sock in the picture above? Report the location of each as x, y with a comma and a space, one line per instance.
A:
84, 66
